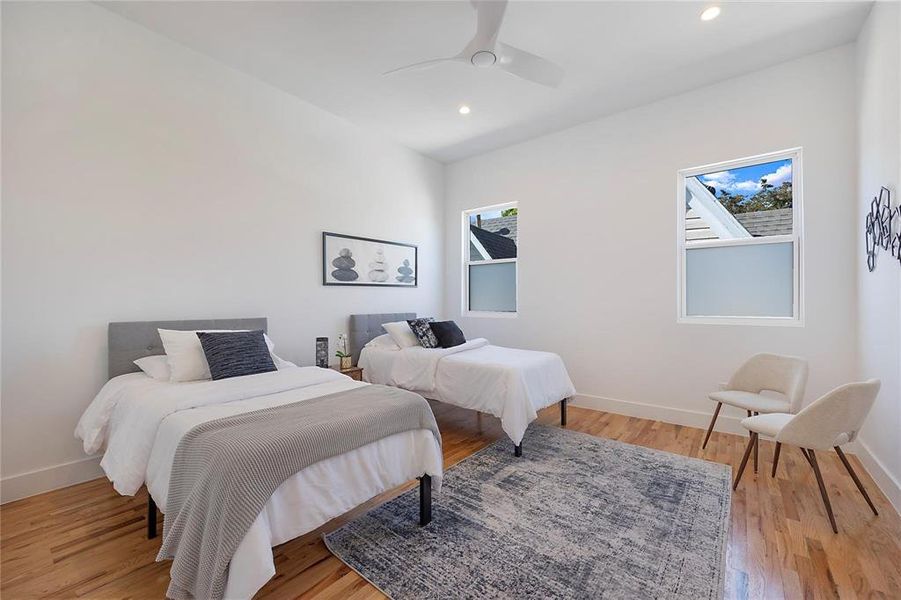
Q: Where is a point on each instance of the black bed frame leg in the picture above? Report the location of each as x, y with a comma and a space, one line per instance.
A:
151, 518
563, 412
517, 450
425, 500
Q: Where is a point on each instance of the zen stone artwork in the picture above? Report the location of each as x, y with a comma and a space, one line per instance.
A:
378, 266
406, 273
353, 260
344, 266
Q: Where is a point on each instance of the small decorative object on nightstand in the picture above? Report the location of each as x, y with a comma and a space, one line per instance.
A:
341, 353
352, 372
322, 352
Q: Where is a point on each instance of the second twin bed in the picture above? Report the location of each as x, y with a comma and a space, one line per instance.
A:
508, 383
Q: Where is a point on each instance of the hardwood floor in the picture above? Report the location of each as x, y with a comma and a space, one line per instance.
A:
87, 541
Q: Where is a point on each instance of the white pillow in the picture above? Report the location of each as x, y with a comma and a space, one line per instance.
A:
154, 366
401, 333
280, 363
185, 357
383, 341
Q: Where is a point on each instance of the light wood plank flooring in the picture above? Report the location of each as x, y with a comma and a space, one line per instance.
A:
86, 541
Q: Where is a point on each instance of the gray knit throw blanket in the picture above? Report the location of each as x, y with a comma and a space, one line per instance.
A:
226, 470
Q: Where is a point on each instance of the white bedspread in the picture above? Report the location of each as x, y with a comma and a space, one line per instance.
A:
142, 420
508, 383
416, 368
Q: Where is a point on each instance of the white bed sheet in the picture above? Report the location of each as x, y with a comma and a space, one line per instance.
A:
302, 503
509, 383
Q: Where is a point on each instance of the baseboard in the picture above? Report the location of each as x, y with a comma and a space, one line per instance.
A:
16, 487
677, 416
731, 424
890, 486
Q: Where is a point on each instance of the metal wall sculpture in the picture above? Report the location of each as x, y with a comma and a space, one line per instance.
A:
883, 228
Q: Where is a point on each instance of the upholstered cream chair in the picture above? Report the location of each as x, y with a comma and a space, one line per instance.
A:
786, 375
829, 422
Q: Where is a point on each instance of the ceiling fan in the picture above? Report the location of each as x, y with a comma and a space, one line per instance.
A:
485, 51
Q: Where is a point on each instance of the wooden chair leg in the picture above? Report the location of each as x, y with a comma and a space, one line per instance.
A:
751, 414
857, 482
776, 457
744, 460
816, 471
716, 413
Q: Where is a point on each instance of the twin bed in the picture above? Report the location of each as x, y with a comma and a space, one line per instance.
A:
508, 383
145, 427
140, 422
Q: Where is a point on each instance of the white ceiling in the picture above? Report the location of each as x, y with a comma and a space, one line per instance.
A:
616, 55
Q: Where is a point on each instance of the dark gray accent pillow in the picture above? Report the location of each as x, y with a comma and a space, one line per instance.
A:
235, 353
423, 332
447, 333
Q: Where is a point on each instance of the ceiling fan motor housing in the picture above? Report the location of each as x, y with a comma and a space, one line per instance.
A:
483, 58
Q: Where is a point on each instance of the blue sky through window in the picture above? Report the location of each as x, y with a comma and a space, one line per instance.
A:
490, 214
745, 181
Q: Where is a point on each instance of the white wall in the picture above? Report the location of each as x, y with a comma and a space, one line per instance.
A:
597, 238
879, 292
145, 181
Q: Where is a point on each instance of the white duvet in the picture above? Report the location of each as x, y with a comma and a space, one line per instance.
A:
140, 421
508, 383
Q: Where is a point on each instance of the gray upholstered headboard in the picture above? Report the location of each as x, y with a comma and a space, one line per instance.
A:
365, 327
129, 341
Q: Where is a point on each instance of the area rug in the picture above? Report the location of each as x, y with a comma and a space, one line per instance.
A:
576, 516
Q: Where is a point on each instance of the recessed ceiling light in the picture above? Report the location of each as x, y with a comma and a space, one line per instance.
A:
710, 13
464, 110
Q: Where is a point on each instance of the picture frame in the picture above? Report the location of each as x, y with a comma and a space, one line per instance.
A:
350, 260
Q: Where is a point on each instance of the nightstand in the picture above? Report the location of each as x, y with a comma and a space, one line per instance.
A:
352, 372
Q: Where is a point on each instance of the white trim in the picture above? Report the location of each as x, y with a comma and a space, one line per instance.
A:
501, 206
465, 262
493, 261
713, 213
883, 478
726, 423
752, 321
479, 248
796, 239
23, 485
742, 162
760, 241
678, 416
489, 314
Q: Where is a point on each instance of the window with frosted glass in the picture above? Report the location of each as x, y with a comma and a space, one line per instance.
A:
739, 239
490, 240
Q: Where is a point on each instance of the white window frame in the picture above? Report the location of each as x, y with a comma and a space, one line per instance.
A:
464, 309
796, 238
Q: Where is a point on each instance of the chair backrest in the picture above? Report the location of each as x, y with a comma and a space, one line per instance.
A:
784, 374
820, 424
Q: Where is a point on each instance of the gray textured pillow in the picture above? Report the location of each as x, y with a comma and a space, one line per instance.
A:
423, 332
236, 353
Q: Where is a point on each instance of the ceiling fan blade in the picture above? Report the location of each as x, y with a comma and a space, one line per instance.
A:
426, 64
528, 66
490, 16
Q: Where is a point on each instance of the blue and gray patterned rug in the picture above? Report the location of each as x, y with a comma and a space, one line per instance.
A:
576, 517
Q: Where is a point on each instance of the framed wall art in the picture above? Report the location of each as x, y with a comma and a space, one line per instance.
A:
353, 260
